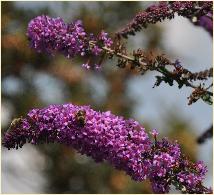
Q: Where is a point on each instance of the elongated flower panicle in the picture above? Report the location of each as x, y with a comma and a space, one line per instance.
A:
52, 35
104, 136
192, 10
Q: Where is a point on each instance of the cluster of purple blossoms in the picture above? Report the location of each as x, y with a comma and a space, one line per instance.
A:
206, 22
191, 179
162, 159
96, 44
104, 136
193, 10
52, 35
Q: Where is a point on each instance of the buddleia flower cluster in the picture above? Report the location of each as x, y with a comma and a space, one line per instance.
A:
53, 35
198, 12
124, 143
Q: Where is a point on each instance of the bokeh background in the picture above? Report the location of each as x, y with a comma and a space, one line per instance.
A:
32, 80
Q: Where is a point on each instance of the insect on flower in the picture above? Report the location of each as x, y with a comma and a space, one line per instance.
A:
15, 122
80, 117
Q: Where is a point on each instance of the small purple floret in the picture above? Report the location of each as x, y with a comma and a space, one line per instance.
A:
154, 132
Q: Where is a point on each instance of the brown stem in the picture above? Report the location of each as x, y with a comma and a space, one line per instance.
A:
166, 73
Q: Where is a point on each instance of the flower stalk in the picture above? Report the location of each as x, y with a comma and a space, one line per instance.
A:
168, 76
199, 13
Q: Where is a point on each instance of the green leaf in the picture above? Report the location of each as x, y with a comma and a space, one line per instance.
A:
207, 98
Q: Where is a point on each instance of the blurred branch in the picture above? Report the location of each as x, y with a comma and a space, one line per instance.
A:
205, 135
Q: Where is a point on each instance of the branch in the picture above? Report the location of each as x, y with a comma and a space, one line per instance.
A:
166, 10
159, 63
205, 135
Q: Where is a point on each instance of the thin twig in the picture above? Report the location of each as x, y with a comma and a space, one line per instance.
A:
165, 72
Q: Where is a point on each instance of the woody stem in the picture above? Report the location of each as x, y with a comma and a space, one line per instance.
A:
166, 72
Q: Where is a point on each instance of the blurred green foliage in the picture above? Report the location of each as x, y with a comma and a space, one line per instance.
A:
66, 171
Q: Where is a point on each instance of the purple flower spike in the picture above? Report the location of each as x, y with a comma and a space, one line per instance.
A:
103, 136
107, 137
52, 35
167, 10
